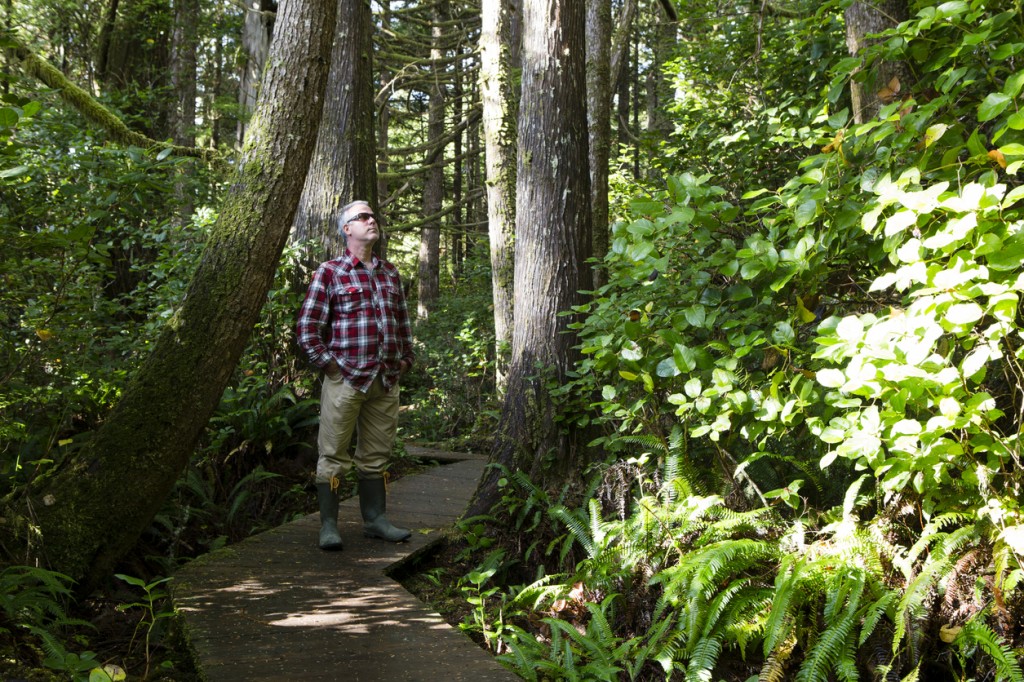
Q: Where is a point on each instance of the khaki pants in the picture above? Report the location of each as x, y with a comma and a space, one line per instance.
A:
372, 416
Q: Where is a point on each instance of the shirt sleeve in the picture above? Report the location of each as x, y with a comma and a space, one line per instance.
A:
404, 326
313, 316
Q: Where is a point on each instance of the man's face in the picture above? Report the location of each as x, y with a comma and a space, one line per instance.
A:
362, 225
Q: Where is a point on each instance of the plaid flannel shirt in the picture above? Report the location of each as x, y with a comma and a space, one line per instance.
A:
369, 332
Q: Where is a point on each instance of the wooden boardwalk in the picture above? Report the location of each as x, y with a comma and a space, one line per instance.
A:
276, 607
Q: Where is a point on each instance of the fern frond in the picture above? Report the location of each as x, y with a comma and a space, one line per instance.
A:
1007, 664
703, 659
873, 613
577, 527
660, 644
774, 668
912, 676
779, 625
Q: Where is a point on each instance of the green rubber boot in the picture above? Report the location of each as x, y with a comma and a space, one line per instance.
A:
330, 538
373, 505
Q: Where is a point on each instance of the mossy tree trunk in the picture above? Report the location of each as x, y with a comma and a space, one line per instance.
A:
82, 519
553, 238
498, 49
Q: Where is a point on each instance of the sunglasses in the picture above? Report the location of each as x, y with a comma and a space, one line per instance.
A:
361, 217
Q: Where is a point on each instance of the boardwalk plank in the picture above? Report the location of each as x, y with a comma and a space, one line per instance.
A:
277, 607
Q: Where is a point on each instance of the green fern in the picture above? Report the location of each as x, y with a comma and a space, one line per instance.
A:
976, 632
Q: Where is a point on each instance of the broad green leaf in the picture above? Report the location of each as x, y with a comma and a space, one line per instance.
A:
993, 105
667, 368
15, 172
831, 378
8, 117
805, 213
695, 315
932, 135
964, 313
685, 358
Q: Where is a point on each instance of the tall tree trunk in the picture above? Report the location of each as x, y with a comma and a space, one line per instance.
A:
659, 83
599, 111
500, 107
884, 79
257, 30
433, 189
183, 81
552, 246
383, 106
103, 40
458, 176
83, 518
344, 165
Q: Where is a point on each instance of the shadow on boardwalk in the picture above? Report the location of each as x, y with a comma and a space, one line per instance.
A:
276, 607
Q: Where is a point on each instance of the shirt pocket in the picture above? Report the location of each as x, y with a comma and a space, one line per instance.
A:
351, 300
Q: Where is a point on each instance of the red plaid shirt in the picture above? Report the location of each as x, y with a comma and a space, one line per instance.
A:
369, 332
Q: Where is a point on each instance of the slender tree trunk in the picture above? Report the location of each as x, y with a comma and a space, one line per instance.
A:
553, 236
83, 518
104, 38
183, 81
430, 234
620, 45
344, 165
868, 95
383, 106
599, 108
257, 30
458, 177
659, 83
500, 107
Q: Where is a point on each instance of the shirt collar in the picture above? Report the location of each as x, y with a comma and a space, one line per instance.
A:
350, 261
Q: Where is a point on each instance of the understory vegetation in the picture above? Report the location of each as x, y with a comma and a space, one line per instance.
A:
807, 385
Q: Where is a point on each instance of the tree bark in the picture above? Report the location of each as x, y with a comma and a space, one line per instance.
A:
599, 110
257, 30
429, 279
553, 236
868, 94
500, 108
659, 84
83, 518
183, 84
344, 165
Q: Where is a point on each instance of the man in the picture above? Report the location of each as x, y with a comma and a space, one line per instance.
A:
354, 325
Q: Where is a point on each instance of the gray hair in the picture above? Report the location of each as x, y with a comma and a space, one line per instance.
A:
343, 215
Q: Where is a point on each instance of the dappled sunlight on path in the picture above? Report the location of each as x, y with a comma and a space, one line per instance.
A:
277, 607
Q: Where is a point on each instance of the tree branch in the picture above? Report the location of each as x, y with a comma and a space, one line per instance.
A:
87, 106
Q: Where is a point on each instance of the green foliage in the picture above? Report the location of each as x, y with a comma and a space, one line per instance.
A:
811, 373
35, 602
155, 607
451, 386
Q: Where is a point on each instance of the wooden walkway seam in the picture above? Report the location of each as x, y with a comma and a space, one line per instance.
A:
276, 607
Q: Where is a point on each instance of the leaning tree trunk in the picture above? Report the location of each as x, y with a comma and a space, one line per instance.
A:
85, 517
344, 165
551, 249
500, 106
884, 79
